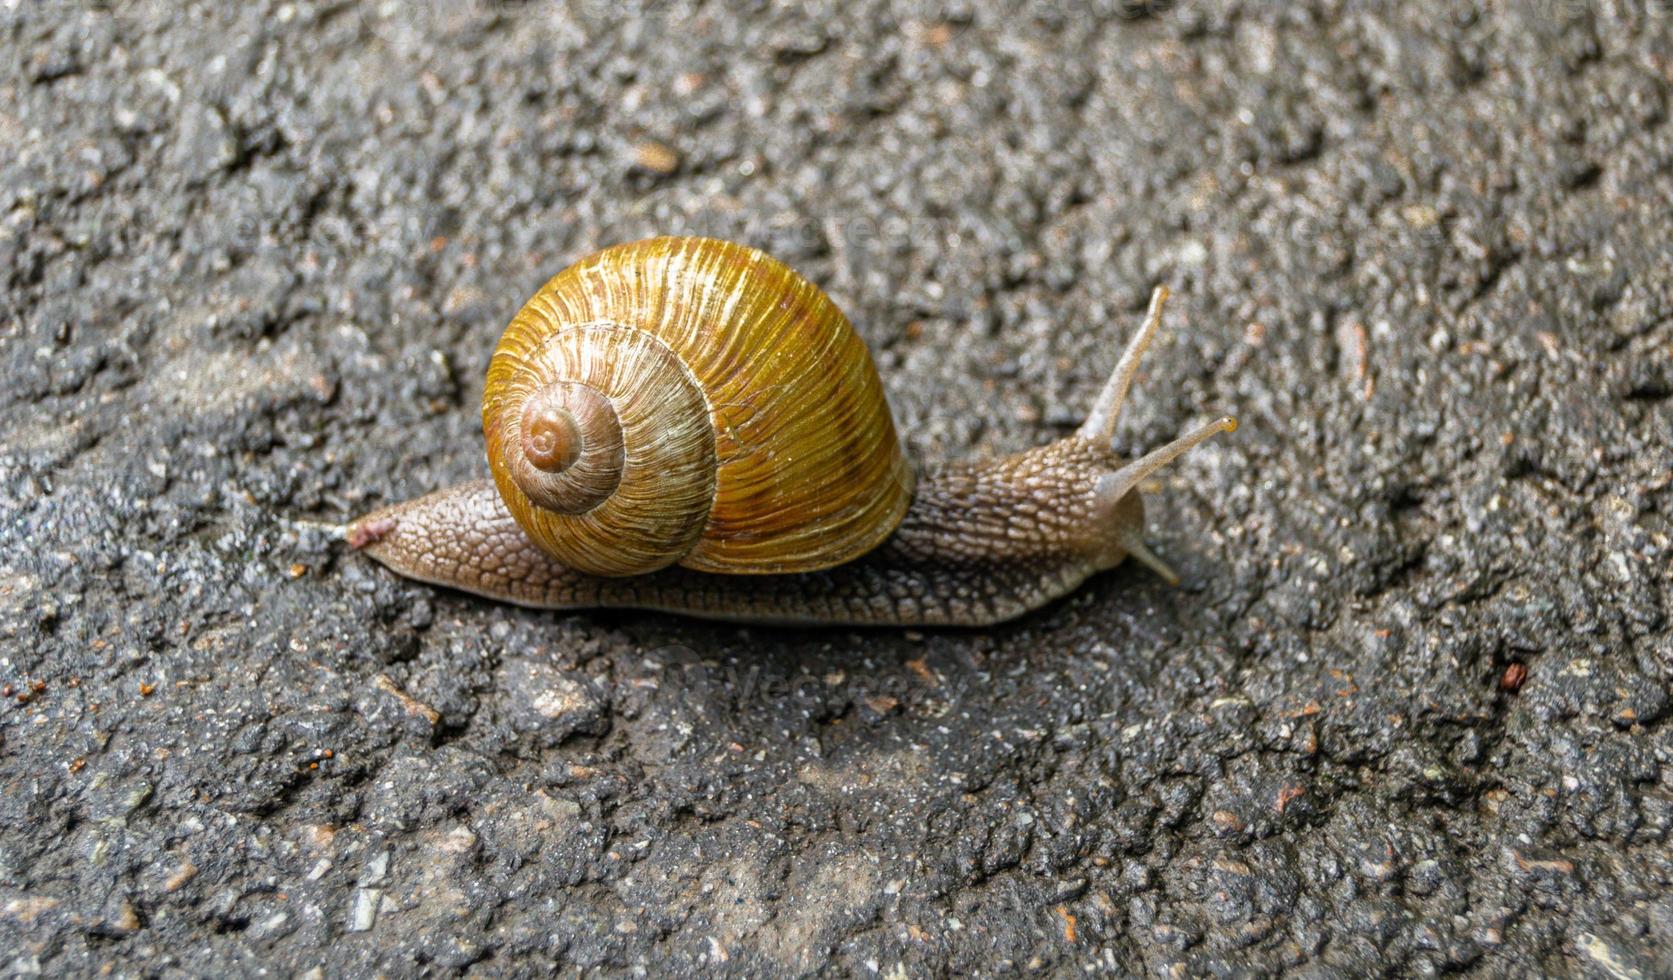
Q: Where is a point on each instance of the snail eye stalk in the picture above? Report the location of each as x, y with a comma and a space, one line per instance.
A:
1114, 485
1099, 426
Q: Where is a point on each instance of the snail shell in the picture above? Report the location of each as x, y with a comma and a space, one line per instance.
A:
691, 401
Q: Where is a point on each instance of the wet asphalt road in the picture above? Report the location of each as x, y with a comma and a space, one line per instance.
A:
1408, 713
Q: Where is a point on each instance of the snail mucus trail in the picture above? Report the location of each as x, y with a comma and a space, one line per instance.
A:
616, 407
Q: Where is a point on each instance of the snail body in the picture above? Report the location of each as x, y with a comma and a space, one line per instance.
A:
687, 425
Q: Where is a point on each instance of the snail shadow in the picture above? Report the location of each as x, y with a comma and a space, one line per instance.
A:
856, 689
741, 678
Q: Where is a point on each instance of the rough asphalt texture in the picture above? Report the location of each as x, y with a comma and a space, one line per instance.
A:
255, 259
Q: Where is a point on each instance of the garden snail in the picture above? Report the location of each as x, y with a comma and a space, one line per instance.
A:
687, 425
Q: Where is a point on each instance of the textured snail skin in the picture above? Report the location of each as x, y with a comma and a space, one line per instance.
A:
981, 543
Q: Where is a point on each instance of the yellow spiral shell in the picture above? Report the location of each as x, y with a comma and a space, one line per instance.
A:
691, 401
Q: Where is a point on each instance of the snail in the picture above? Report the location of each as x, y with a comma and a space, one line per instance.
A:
688, 425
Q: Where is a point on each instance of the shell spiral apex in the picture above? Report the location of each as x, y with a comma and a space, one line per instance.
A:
691, 401
569, 454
